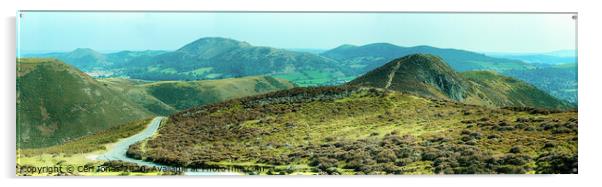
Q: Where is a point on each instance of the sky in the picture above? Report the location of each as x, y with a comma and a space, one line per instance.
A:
115, 31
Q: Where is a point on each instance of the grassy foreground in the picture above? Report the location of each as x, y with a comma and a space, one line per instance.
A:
344, 130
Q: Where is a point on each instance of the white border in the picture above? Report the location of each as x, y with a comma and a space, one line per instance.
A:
590, 64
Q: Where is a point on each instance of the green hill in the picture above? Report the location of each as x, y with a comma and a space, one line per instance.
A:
216, 58
350, 130
84, 59
430, 76
425, 75
57, 103
167, 97
135, 92
362, 59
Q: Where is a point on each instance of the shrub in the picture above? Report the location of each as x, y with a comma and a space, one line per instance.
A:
323, 163
386, 155
515, 159
554, 163
391, 168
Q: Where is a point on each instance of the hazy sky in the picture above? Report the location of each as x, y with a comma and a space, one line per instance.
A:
110, 31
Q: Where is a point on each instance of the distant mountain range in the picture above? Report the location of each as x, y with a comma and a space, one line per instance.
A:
214, 58
218, 58
89, 60
367, 57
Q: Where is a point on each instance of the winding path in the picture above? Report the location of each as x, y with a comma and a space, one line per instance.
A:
119, 149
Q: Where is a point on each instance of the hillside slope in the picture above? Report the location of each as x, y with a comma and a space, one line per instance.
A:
429, 76
134, 91
348, 130
167, 97
56, 103
500, 90
183, 95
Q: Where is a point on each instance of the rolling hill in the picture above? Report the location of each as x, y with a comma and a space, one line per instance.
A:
135, 92
167, 97
85, 59
429, 76
362, 59
56, 103
350, 130
215, 58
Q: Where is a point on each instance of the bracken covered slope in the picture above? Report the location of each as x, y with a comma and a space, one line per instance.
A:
350, 130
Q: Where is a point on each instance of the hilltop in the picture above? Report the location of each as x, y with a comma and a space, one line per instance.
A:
429, 76
217, 58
